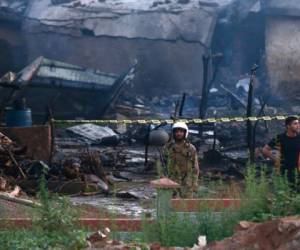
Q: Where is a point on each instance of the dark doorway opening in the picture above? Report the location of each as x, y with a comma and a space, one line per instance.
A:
6, 57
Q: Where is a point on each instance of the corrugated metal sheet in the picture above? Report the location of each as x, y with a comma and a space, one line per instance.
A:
60, 74
13, 6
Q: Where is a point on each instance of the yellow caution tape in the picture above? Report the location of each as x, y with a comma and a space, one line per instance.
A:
280, 117
267, 118
239, 119
253, 119
197, 121
224, 120
211, 120
169, 121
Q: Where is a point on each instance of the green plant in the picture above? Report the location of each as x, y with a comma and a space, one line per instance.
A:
53, 227
255, 198
258, 203
285, 198
170, 231
159, 168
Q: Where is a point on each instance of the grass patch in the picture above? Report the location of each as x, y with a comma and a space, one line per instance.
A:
262, 198
53, 226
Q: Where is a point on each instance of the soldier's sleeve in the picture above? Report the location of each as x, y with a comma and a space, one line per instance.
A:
165, 154
196, 162
197, 168
165, 151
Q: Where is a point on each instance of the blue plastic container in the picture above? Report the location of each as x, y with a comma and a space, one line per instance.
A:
18, 118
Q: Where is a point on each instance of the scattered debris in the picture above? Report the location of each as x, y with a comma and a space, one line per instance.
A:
3, 184
275, 234
15, 192
11, 198
130, 195
201, 243
96, 134
4, 140
70, 177
54, 82
98, 239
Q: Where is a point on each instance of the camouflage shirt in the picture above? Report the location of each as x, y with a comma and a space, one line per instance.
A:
181, 160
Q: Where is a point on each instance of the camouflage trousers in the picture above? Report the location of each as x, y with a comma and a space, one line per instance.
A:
188, 185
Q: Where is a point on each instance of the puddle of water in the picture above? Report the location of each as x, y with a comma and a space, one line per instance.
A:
121, 206
127, 207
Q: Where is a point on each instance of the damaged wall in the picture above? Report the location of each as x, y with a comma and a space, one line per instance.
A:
168, 39
282, 47
282, 7
240, 37
12, 53
161, 63
12, 50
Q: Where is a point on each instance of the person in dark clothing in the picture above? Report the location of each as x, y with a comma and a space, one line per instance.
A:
288, 146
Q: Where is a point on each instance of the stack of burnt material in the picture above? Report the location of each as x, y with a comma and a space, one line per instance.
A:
81, 175
67, 177
13, 159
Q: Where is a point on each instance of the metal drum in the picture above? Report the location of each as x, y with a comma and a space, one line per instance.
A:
18, 117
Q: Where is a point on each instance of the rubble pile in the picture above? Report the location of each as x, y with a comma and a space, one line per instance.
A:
101, 240
88, 170
13, 159
278, 234
69, 176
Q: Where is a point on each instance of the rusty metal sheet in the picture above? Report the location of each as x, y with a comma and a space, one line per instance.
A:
37, 139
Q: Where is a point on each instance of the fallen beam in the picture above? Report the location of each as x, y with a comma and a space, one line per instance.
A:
19, 200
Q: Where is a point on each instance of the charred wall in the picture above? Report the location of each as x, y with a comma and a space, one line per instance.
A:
173, 66
167, 38
282, 47
12, 51
242, 43
283, 53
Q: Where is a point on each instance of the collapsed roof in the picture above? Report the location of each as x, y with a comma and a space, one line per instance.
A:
12, 9
44, 72
45, 80
189, 20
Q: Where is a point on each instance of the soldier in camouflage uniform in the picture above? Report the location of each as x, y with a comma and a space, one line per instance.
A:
182, 161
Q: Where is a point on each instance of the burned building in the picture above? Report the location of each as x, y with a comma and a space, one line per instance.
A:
282, 46
68, 90
168, 38
240, 37
12, 49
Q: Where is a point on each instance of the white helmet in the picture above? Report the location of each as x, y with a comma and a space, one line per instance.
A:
181, 125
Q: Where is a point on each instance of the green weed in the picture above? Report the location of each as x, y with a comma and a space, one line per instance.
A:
53, 227
262, 198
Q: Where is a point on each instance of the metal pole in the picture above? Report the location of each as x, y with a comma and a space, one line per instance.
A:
250, 131
202, 108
